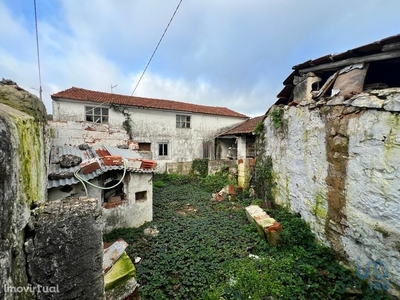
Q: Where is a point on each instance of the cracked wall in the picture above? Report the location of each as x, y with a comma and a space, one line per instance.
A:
338, 166
65, 249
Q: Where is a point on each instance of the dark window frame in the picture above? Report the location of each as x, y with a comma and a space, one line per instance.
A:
163, 150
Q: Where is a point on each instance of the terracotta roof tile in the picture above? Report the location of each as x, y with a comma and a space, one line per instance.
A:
79, 94
246, 127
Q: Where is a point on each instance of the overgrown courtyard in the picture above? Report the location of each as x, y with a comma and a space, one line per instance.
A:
207, 249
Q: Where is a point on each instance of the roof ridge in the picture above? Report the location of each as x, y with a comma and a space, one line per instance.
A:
141, 97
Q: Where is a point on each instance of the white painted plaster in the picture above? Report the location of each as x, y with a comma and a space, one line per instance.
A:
148, 125
372, 209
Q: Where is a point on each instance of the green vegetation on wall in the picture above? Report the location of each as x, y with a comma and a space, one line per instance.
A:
127, 124
259, 129
264, 179
30, 158
200, 167
276, 117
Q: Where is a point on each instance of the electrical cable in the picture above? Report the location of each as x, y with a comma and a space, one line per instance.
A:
159, 42
37, 50
83, 180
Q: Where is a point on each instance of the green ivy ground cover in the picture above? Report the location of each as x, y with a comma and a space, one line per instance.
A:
203, 246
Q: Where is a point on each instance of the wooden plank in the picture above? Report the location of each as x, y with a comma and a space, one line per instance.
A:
391, 47
326, 85
350, 61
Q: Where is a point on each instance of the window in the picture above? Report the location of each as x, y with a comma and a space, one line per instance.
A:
141, 196
144, 146
162, 149
96, 114
182, 121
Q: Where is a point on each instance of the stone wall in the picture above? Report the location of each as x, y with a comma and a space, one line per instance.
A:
23, 149
337, 164
65, 251
59, 250
182, 168
135, 212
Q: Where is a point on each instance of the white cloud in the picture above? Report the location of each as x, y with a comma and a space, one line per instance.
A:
234, 55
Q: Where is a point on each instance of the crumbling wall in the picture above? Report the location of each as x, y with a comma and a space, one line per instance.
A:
181, 168
57, 254
65, 250
23, 182
135, 211
338, 166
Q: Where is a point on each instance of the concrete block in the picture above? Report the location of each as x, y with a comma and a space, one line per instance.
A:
266, 226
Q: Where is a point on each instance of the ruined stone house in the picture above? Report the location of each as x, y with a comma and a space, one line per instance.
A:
336, 153
163, 130
123, 186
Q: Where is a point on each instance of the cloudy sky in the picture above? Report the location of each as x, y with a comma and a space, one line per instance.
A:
216, 52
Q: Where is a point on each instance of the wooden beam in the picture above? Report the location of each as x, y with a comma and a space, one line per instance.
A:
351, 61
391, 47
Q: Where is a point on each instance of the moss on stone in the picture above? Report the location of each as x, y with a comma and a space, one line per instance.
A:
318, 211
23, 101
30, 148
120, 272
382, 230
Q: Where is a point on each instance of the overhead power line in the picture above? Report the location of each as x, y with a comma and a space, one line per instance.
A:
144, 71
37, 50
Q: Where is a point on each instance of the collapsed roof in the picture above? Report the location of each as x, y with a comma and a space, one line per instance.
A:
63, 176
381, 58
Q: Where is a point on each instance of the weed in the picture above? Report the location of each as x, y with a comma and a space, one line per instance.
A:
200, 167
205, 254
276, 117
215, 182
127, 123
264, 179
259, 128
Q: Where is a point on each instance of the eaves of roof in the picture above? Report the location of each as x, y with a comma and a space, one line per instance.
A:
365, 50
244, 128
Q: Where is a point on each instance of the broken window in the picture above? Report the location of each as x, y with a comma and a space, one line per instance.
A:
141, 196
115, 194
96, 114
144, 146
162, 149
182, 121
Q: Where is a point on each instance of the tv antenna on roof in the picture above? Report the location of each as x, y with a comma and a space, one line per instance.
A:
112, 86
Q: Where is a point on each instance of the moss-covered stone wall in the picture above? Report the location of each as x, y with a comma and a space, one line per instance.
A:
23, 180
